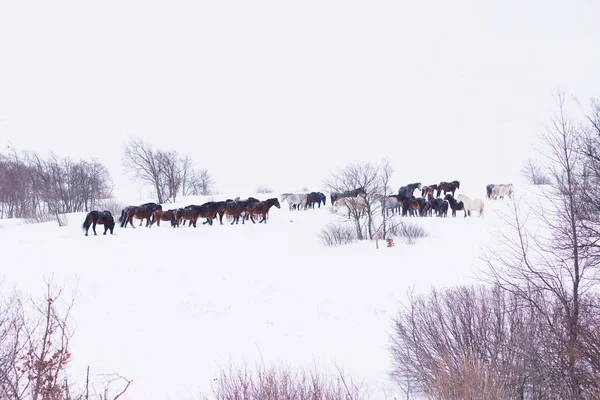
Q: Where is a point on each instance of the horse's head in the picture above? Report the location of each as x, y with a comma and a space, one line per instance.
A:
275, 202
419, 185
361, 190
448, 197
457, 184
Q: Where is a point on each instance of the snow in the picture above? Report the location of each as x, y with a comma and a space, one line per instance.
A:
167, 307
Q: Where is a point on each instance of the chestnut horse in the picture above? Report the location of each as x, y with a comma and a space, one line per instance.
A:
261, 208
427, 190
160, 215
99, 217
145, 211
192, 213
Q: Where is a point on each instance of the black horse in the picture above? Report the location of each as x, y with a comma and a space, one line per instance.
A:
489, 189
99, 217
409, 189
455, 205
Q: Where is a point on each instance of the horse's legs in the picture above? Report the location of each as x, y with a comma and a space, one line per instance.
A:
94, 228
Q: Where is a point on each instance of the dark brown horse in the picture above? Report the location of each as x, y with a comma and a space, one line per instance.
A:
448, 187
139, 212
160, 215
437, 204
192, 213
262, 208
455, 205
219, 206
99, 217
145, 211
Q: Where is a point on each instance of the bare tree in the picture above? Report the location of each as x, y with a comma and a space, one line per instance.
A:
143, 161
534, 173
167, 172
350, 178
555, 266
380, 194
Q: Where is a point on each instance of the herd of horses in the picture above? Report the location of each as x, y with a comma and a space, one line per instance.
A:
429, 203
403, 202
153, 213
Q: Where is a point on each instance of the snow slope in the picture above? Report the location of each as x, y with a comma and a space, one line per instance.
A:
166, 307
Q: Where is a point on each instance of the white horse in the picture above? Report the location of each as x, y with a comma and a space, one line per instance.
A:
297, 199
471, 204
357, 204
500, 191
388, 203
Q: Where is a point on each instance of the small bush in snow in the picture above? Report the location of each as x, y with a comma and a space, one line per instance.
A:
337, 234
283, 383
111, 205
264, 189
408, 231
61, 219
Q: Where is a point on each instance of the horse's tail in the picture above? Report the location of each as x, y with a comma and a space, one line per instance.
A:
122, 217
86, 224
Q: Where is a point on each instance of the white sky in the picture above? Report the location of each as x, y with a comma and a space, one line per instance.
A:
281, 92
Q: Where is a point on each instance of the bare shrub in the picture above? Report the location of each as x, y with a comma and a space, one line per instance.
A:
409, 232
35, 353
111, 205
337, 234
263, 189
284, 383
41, 218
534, 173
467, 342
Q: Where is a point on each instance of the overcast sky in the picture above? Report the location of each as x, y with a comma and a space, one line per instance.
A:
281, 92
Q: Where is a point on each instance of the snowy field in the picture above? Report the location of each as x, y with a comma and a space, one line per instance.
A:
167, 307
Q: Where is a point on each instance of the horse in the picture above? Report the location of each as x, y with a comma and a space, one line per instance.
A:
499, 191
310, 201
235, 208
160, 215
233, 211
414, 206
437, 204
294, 199
442, 210
357, 204
140, 212
219, 206
348, 193
455, 205
410, 188
389, 204
192, 213
99, 217
427, 190
488, 190
262, 208
448, 187
316, 198
471, 204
